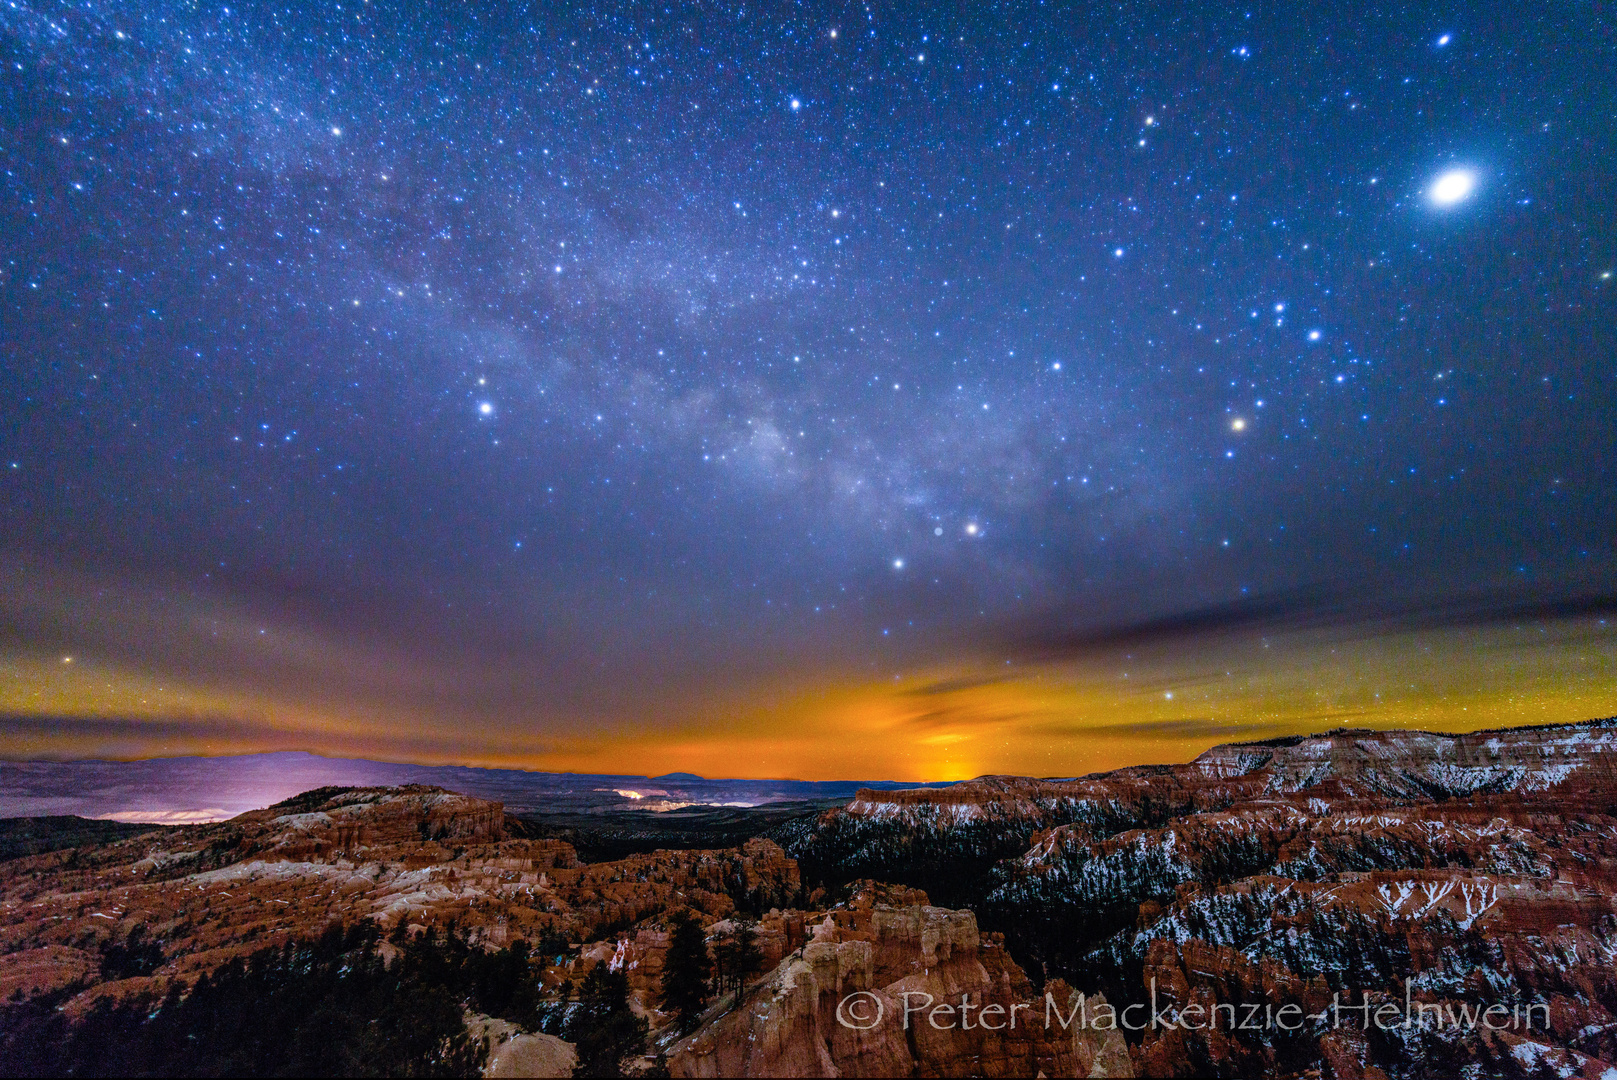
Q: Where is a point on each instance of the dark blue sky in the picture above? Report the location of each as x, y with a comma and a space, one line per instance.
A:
601, 356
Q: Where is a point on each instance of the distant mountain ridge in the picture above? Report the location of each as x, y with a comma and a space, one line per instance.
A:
188, 790
1356, 763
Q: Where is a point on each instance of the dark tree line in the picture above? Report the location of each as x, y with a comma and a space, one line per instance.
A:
322, 1007
334, 1006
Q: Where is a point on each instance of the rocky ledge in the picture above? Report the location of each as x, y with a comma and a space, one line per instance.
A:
888, 985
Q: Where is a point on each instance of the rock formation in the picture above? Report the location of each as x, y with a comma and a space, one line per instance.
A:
889, 985
1431, 872
203, 895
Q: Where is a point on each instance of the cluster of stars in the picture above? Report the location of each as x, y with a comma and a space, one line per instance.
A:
746, 322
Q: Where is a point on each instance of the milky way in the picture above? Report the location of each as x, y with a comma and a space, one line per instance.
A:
544, 366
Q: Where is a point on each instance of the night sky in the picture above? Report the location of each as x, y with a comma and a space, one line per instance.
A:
816, 390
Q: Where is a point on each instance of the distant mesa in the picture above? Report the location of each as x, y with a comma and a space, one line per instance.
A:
676, 776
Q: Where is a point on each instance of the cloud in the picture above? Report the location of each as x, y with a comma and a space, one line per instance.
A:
952, 685
14, 727
1204, 727
1060, 635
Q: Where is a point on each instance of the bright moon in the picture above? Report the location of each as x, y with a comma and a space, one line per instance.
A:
1452, 186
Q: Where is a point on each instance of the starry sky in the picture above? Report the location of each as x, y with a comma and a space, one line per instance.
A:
824, 390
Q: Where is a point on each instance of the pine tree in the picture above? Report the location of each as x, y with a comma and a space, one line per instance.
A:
738, 959
605, 1030
686, 970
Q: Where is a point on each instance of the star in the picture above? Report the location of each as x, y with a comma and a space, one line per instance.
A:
1452, 187
616, 223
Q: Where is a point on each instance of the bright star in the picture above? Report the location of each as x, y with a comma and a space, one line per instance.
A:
898, 564
1452, 187
1238, 424
1444, 40
486, 408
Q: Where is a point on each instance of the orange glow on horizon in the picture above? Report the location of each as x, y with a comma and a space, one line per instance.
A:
952, 723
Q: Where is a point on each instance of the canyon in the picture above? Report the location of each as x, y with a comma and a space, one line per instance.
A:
1398, 868
1332, 884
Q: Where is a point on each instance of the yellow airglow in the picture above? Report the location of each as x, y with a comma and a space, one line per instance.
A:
1075, 715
